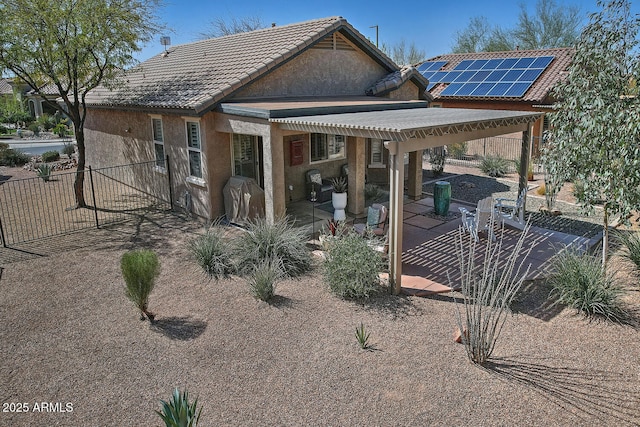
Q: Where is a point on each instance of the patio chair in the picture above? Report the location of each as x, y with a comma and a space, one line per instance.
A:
376, 220
322, 187
509, 209
481, 219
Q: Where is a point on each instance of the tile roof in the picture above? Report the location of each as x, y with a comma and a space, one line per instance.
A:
540, 89
396, 79
196, 76
5, 87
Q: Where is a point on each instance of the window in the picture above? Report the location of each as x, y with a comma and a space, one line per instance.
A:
194, 149
375, 158
158, 142
327, 147
245, 156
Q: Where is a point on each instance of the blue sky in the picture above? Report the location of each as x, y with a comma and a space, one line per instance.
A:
431, 24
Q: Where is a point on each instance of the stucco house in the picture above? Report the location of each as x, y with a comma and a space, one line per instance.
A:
208, 105
274, 103
37, 104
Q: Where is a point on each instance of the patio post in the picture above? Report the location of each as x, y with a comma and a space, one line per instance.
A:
273, 172
396, 196
356, 159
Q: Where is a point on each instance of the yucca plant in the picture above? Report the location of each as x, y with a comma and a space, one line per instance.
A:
580, 282
362, 336
281, 240
178, 412
140, 269
213, 252
262, 282
44, 172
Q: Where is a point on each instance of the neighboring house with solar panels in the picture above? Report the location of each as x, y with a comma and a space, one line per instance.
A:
211, 107
515, 80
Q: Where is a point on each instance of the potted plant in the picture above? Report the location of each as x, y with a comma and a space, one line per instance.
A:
339, 198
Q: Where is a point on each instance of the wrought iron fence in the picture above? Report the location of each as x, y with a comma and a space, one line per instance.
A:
33, 208
472, 153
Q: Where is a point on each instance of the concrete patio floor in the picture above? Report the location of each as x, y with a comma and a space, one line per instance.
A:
430, 251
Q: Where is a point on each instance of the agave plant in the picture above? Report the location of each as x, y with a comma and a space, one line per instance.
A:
44, 172
178, 412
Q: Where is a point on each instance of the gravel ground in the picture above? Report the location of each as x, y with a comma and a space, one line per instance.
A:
71, 339
70, 336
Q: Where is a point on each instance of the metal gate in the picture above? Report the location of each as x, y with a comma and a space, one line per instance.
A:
32, 208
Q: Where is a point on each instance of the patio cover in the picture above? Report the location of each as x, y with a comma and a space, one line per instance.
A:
409, 130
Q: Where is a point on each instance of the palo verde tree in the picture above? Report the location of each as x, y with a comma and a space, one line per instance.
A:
73, 45
594, 132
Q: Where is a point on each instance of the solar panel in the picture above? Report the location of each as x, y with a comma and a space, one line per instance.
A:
497, 77
451, 89
431, 66
517, 90
463, 65
467, 89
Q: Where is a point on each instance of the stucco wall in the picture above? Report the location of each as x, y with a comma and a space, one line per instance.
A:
118, 138
319, 72
406, 92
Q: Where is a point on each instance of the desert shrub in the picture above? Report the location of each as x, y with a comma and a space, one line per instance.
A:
487, 290
178, 412
580, 282
61, 130
35, 128
12, 158
69, 149
140, 269
263, 280
494, 166
213, 252
541, 190
46, 121
372, 192
437, 159
631, 251
352, 267
578, 190
44, 172
50, 156
457, 150
280, 240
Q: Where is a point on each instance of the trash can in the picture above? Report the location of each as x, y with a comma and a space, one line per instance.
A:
441, 197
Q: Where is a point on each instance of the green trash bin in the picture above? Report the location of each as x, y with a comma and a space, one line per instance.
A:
441, 197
